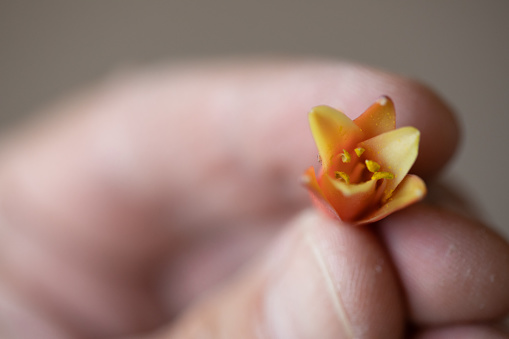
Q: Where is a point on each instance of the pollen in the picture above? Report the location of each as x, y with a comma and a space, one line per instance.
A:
372, 166
382, 175
359, 151
345, 157
343, 175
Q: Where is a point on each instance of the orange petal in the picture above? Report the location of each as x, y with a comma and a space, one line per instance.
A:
395, 151
378, 118
333, 131
349, 200
411, 189
319, 200
309, 180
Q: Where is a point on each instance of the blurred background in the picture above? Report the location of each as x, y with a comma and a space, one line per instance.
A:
460, 48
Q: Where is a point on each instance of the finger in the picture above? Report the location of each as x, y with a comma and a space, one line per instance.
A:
203, 137
463, 332
452, 269
317, 281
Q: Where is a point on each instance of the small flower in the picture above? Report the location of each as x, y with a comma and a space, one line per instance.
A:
365, 163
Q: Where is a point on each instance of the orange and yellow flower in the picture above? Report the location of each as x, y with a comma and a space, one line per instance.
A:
365, 163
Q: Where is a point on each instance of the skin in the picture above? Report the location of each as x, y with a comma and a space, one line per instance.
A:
165, 204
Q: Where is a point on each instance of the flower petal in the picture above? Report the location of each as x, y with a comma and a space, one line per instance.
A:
395, 151
333, 131
378, 118
411, 189
349, 200
309, 180
319, 200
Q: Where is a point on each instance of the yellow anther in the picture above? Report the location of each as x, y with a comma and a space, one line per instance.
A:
372, 166
343, 175
359, 151
382, 175
345, 157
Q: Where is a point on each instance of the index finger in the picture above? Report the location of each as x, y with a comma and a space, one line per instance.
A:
213, 143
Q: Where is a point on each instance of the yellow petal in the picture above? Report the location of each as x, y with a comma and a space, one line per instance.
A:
333, 131
411, 189
349, 200
395, 151
377, 119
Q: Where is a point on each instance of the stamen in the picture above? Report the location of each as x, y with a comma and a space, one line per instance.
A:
382, 175
343, 175
359, 151
372, 166
345, 157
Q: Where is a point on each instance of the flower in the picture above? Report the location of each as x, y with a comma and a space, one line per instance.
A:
365, 163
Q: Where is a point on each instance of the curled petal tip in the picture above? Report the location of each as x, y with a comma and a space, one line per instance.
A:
383, 100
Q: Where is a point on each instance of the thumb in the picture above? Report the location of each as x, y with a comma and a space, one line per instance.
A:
320, 279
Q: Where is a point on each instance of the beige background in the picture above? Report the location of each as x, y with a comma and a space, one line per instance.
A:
461, 48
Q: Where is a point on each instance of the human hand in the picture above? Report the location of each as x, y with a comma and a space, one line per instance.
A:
130, 210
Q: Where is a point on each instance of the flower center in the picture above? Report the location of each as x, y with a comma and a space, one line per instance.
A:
359, 171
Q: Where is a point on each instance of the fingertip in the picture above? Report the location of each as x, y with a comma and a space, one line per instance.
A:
339, 276
360, 275
452, 269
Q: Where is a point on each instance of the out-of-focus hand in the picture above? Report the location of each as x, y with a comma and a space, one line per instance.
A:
133, 209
